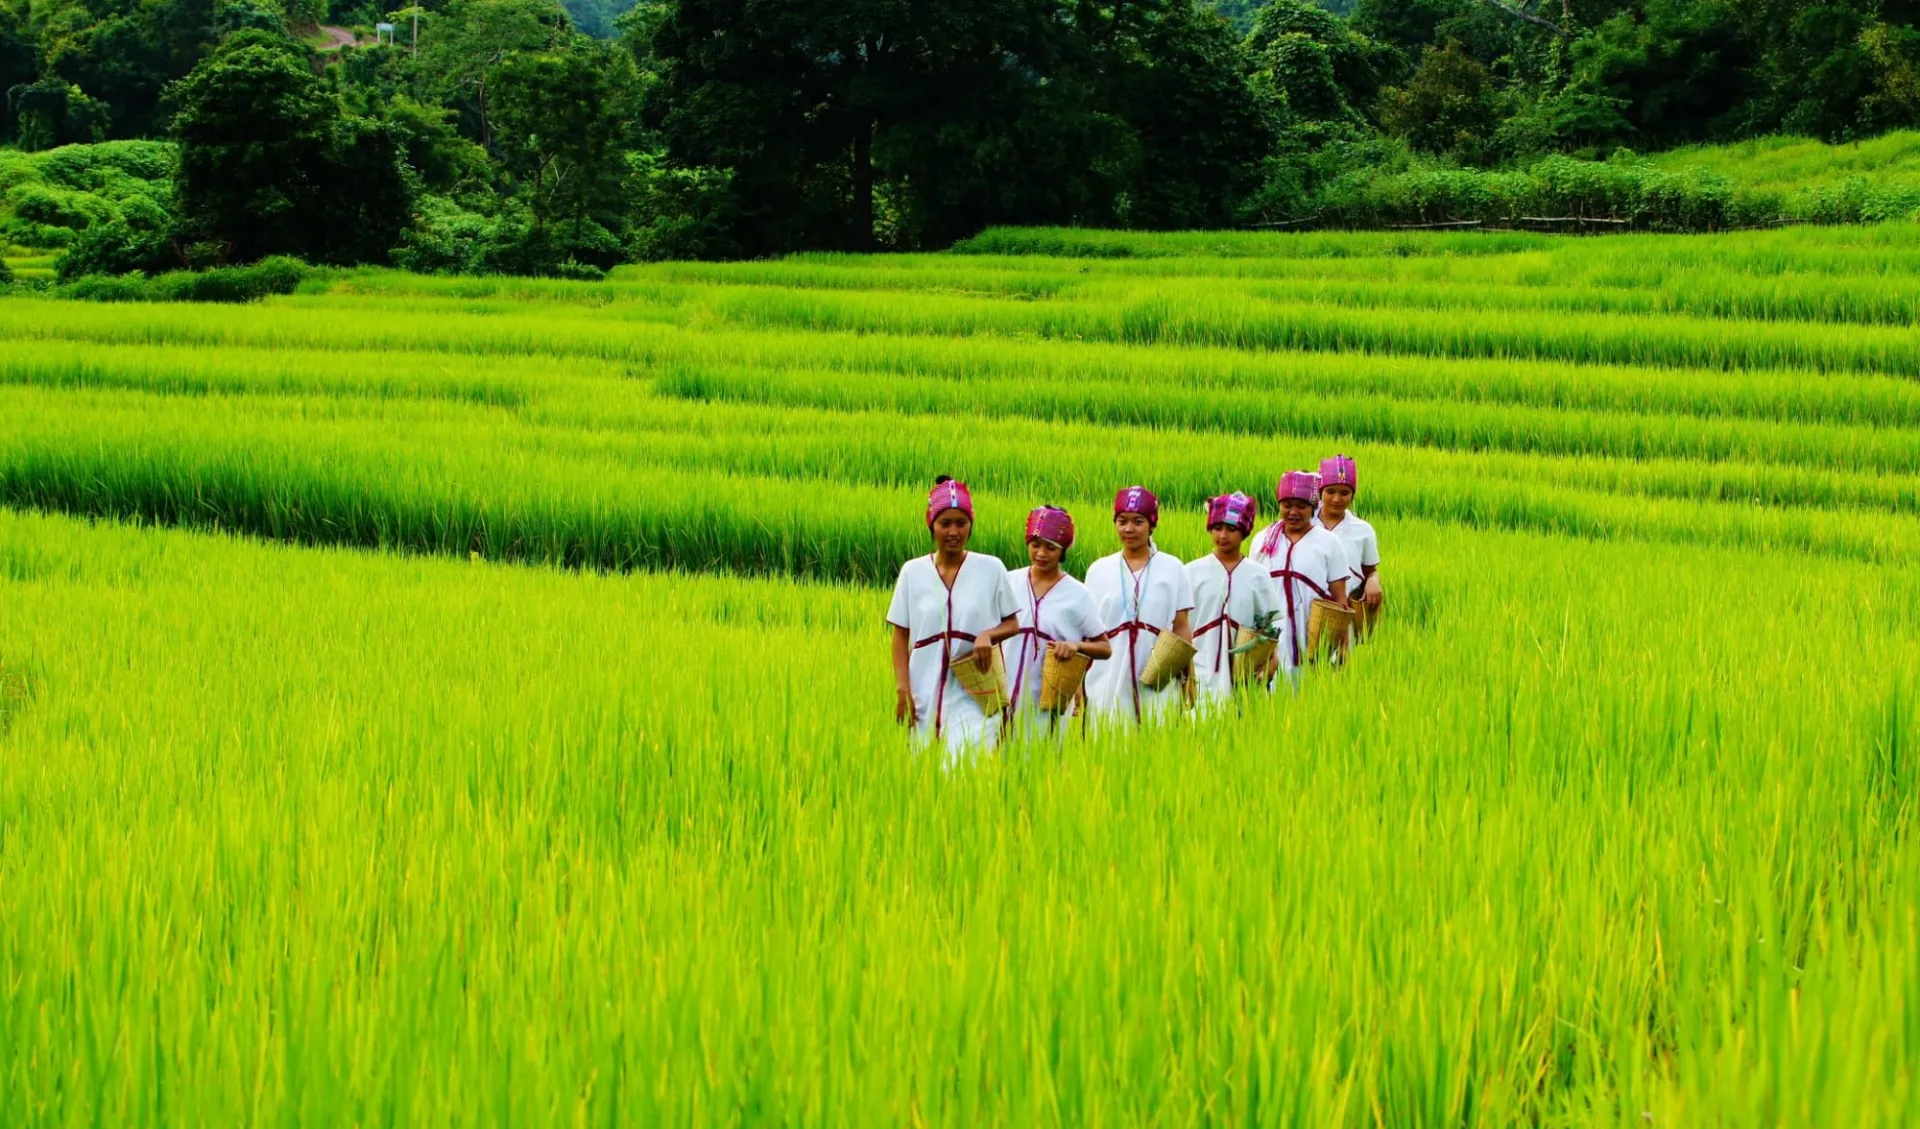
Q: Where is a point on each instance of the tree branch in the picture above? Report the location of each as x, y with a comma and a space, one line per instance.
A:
1528, 17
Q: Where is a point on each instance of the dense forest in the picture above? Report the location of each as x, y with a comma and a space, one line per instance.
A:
530, 136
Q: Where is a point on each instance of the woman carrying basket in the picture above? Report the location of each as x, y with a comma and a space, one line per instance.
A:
1229, 596
1339, 480
949, 607
1143, 594
1305, 562
1060, 628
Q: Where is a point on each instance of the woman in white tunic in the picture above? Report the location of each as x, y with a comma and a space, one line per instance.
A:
1228, 594
1304, 561
1339, 480
1140, 592
949, 607
1056, 614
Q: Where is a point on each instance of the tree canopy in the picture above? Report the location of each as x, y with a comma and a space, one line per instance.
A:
537, 135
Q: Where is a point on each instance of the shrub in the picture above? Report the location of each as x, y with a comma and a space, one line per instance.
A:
278, 275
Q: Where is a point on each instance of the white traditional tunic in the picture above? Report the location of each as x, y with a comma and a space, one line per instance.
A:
942, 622
1363, 548
1302, 570
1065, 614
1136, 607
1224, 601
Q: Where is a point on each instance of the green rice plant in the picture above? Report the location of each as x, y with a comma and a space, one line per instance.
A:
1340, 417
324, 835
545, 769
440, 477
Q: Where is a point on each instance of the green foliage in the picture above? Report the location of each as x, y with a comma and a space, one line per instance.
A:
561, 118
276, 275
679, 213
62, 197
1448, 107
51, 113
445, 238
1197, 128
271, 163
1324, 69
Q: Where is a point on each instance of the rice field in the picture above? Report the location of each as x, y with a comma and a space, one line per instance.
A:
435, 701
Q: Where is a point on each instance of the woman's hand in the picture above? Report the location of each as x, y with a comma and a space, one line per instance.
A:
1063, 650
1371, 593
904, 710
982, 657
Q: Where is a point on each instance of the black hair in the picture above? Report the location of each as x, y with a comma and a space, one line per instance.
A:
943, 479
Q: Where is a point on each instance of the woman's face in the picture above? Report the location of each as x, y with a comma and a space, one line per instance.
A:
1226, 538
951, 528
1297, 513
1334, 500
1044, 554
1134, 531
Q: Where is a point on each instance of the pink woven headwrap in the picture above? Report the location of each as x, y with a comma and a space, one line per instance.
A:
1235, 509
1138, 500
1299, 484
949, 495
1339, 471
1051, 523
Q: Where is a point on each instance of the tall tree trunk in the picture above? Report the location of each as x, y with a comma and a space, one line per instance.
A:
863, 186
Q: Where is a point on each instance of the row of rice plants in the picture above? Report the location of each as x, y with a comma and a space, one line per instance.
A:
1531, 282
1199, 316
1334, 417
890, 449
1170, 315
1852, 248
379, 841
256, 335
437, 476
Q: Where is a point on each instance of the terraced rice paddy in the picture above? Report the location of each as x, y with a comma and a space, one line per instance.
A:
465, 702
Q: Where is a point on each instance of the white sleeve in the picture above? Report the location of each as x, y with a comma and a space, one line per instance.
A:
1266, 594
1370, 550
899, 613
1084, 614
1005, 604
1182, 592
1096, 616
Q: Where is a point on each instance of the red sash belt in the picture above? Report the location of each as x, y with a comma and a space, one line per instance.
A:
932, 639
1303, 578
1220, 649
1133, 631
1284, 574
946, 665
1020, 678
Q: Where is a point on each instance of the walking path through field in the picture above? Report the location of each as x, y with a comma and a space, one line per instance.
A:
338, 37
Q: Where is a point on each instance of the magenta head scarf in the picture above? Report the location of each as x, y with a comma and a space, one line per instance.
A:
1235, 509
1051, 523
949, 495
1138, 500
1298, 484
1339, 471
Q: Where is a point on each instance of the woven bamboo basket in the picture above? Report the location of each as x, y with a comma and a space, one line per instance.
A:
988, 687
1365, 619
1060, 681
1171, 658
1329, 630
1248, 665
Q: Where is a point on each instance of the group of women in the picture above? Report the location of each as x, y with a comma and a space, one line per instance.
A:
954, 607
